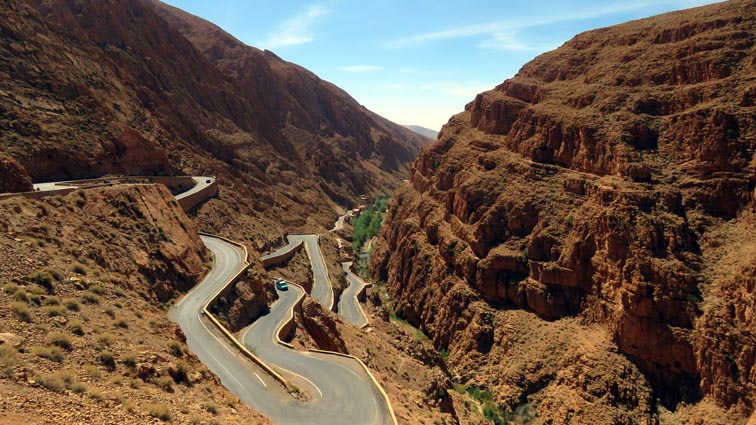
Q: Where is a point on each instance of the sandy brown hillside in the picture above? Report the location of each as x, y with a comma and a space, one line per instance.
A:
84, 337
580, 238
96, 87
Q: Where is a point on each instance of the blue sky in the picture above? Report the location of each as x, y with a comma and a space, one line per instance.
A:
417, 62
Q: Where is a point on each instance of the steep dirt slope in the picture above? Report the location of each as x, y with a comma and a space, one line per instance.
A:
83, 337
579, 237
96, 87
322, 122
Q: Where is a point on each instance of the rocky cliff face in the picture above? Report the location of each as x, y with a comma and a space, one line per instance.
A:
607, 190
96, 87
248, 300
13, 176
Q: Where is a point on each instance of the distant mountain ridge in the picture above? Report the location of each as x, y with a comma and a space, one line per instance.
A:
138, 87
427, 132
296, 98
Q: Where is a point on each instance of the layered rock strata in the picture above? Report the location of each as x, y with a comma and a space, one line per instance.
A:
608, 185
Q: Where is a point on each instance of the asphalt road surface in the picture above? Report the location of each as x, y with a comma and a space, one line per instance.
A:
44, 187
349, 306
237, 373
200, 182
321, 287
288, 247
341, 392
340, 222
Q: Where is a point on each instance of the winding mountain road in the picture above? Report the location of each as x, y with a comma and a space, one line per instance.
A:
321, 287
200, 184
237, 374
349, 305
341, 391
340, 221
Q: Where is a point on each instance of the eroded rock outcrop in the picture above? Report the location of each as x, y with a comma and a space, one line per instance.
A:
321, 327
13, 177
586, 190
168, 260
249, 298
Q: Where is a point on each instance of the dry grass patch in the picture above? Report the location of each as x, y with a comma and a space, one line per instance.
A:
93, 371
88, 298
51, 300
107, 359
129, 359
21, 311
97, 289
60, 381
8, 360
78, 388
54, 354
181, 376
105, 340
174, 347
76, 327
165, 383
159, 411
55, 311
36, 290
96, 395
51, 382
10, 288
20, 295
60, 340
72, 304
212, 408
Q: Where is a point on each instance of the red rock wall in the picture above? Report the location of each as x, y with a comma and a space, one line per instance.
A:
587, 187
13, 177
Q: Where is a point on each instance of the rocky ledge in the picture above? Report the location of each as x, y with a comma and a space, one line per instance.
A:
606, 191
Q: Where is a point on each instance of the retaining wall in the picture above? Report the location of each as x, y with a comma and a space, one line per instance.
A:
286, 327
269, 260
361, 295
190, 201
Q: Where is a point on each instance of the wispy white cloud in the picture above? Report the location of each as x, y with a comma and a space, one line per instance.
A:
510, 42
467, 90
426, 72
361, 68
503, 35
295, 30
